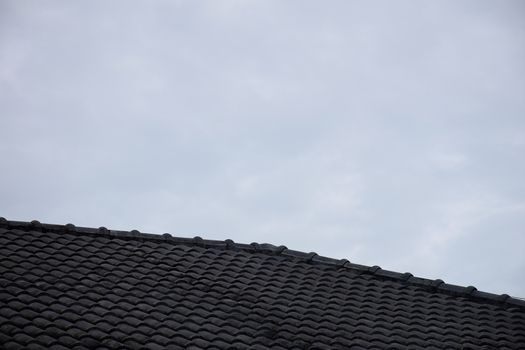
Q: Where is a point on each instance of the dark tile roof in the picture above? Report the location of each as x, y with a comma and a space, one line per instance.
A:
66, 287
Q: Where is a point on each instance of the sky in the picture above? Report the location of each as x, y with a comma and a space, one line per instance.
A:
390, 133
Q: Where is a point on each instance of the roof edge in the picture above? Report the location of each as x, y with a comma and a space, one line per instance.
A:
437, 285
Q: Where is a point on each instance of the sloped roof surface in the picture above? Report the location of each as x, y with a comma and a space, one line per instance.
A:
63, 287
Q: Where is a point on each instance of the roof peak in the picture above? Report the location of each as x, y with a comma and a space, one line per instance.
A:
437, 285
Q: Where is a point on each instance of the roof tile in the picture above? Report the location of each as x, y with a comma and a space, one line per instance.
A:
73, 287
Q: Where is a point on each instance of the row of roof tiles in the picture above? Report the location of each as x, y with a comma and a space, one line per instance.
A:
437, 285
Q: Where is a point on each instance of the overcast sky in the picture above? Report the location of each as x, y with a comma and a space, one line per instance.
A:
390, 133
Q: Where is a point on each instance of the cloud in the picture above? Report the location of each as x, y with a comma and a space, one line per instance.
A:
389, 134
449, 161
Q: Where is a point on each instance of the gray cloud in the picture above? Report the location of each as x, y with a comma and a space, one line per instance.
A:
386, 133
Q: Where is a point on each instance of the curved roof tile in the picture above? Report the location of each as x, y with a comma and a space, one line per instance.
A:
65, 287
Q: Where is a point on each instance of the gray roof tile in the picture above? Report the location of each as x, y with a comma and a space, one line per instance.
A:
65, 287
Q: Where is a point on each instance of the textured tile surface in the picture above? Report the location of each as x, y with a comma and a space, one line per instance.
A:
63, 287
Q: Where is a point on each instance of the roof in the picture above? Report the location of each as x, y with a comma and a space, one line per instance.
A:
67, 287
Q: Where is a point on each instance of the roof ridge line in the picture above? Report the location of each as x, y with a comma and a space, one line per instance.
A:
436, 285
